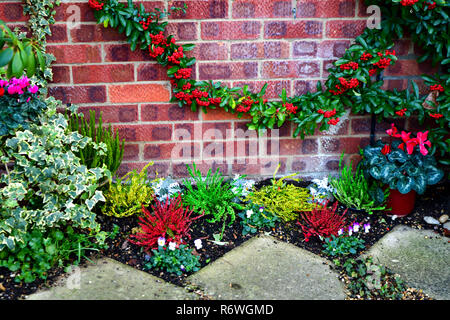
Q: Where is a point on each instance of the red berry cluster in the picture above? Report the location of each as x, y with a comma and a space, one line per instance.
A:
408, 2
436, 115
430, 5
383, 63
345, 85
401, 112
437, 87
145, 23
187, 86
94, 4
245, 105
366, 56
327, 114
290, 108
333, 121
184, 73
178, 54
350, 65
155, 52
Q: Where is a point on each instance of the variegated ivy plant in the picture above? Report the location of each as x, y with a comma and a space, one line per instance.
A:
47, 184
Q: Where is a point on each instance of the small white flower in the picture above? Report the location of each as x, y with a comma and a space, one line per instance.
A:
366, 228
172, 246
350, 231
356, 227
249, 213
237, 176
161, 241
340, 232
261, 209
198, 244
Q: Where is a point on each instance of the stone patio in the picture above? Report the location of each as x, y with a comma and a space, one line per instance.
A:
264, 268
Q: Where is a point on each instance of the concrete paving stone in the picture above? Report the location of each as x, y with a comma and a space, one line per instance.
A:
108, 279
420, 257
266, 269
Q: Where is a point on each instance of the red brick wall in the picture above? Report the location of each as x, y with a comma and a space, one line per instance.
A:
240, 42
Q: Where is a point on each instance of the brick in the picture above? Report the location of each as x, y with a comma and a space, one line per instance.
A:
59, 33
331, 145
179, 169
292, 29
303, 86
273, 89
221, 114
212, 9
178, 151
262, 9
302, 49
211, 51
284, 131
144, 132
151, 72
138, 93
409, 68
327, 64
345, 28
402, 47
75, 53
167, 112
122, 52
12, 12
290, 69
157, 169
216, 130
362, 125
131, 152
232, 70
103, 73
325, 9
182, 30
68, 12
113, 114
95, 33
61, 74
230, 30
332, 48
79, 94
391, 84
260, 50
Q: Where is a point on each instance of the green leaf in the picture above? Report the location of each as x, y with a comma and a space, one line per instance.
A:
6, 56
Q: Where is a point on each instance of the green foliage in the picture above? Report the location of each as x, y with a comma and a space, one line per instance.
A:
41, 251
19, 55
342, 245
400, 170
255, 218
17, 110
353, 190
211, 196
47, 184
90, 156
370, 281
282, 199
176, 261
126, 197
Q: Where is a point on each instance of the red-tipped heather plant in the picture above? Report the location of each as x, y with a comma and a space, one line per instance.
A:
168, 220
322, 222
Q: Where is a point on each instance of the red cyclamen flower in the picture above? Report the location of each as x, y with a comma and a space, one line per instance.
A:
386, 149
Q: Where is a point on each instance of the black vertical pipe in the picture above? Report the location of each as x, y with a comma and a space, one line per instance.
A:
373, 120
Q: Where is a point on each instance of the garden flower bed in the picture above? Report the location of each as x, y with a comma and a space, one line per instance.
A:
63, 201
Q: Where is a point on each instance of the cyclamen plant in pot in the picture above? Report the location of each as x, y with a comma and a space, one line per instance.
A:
404, 165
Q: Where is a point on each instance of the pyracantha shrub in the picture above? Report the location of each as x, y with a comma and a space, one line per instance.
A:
47, 184
128, 194
169, 220
212, 196
322, 222
284, 200
19, 104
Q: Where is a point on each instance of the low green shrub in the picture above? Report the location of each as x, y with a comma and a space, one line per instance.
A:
255, 218
283, 200
128, 194
174, 260
211, 196
354, 191
89, 155
342, 245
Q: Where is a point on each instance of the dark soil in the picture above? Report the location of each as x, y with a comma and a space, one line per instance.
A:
434, 203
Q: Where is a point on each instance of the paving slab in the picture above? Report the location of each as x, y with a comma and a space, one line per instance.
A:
263, 268
420, 257
107, 279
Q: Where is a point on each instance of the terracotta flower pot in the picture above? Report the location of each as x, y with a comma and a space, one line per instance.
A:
401, 204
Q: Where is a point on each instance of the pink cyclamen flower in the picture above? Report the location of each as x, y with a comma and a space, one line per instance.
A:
422, 141
29, 98
33, 89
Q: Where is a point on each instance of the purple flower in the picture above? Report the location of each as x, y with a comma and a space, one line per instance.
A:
366, 227
356, 226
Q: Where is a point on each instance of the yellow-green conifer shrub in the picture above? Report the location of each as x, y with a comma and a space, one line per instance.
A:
126, 197
283, 200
